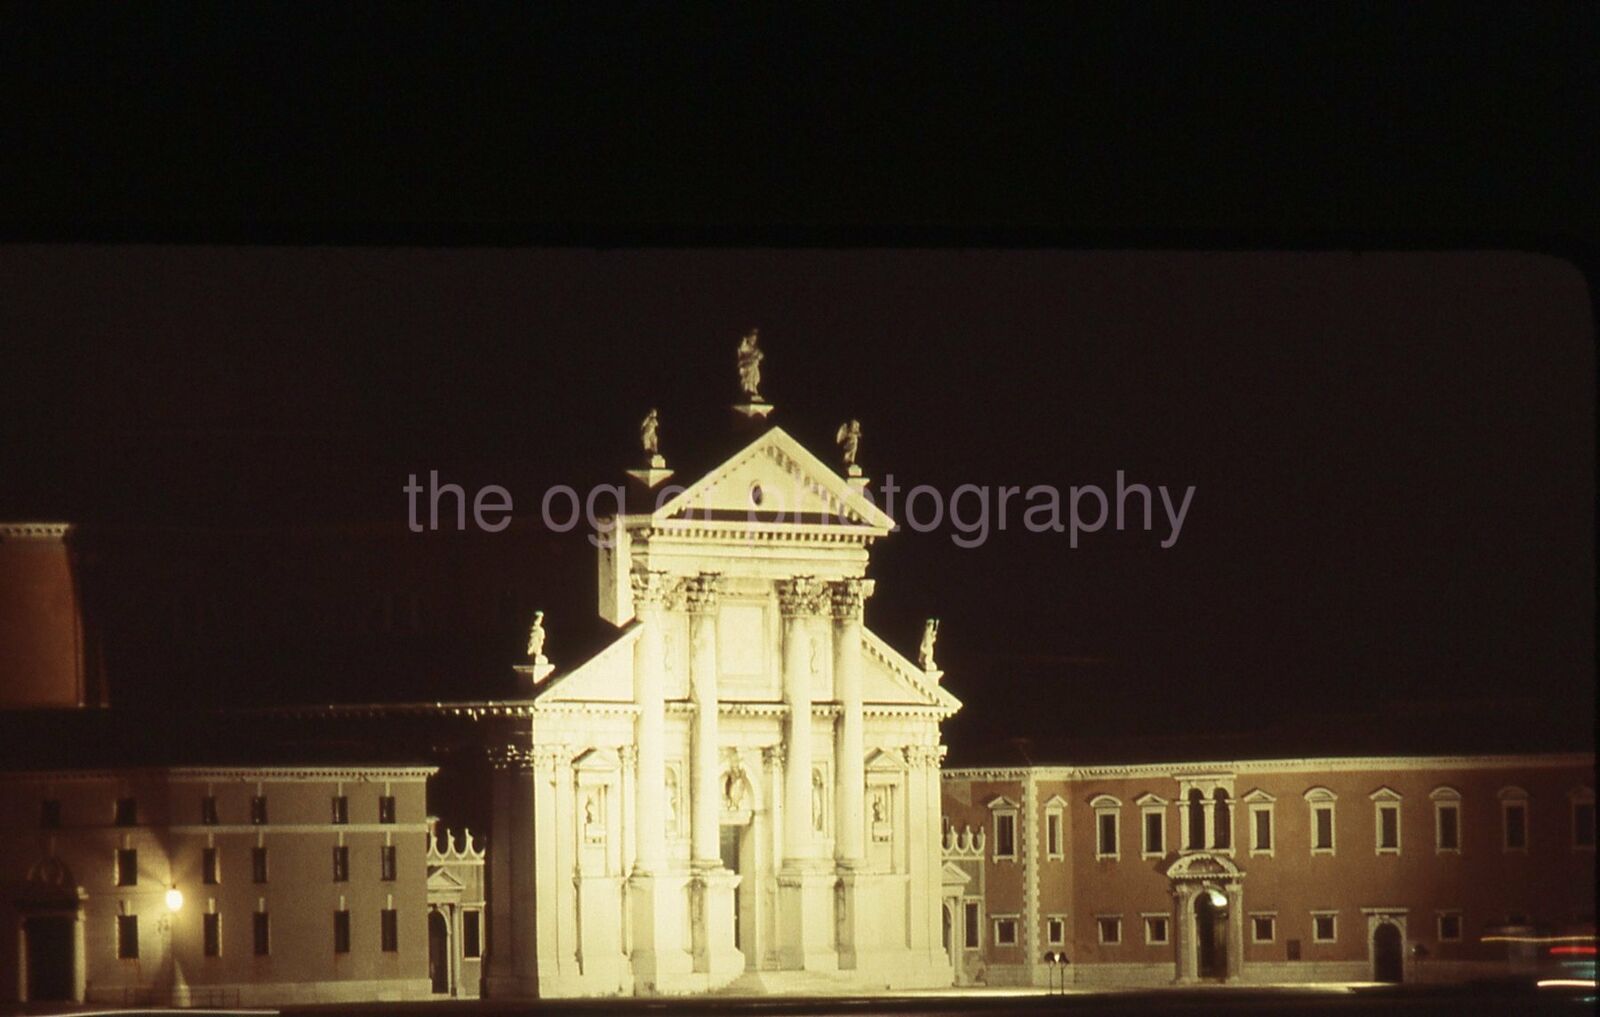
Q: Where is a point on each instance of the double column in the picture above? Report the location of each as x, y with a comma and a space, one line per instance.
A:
712, 905
806, 882
847, 598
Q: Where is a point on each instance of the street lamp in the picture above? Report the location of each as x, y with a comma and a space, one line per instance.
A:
174, 899
1057, 959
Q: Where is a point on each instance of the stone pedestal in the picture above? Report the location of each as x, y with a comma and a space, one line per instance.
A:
851, 929
655, 904
715, 954
652, 475
806, 919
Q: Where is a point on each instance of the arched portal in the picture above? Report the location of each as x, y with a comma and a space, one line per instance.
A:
1388, 953
438, 952
1211, 934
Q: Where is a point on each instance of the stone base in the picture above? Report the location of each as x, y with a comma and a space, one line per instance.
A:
652, 475
715, 954
806, 920
753, 410
655, 905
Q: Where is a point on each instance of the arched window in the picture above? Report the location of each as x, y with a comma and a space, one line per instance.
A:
1224, 825
1197, 819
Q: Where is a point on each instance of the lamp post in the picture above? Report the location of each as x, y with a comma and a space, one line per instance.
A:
174, 899
1057, 959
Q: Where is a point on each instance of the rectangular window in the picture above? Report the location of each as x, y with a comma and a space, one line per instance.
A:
1516, 816
1110, 930
341, 931
50, 814
471, 933
208, 810
1323, 831
1261, 830
1155, 930
1263, 928
210, 873
1449, 927
1052, 834
127, 812
341, 810
1005, 835
1055, 931
387, 853
258, 809
391, 930
1389, 828
1447, 823
1324, 928
1155, 833
341, 864
262, 933
127, 867
970, 927
1005, 932
128, 937
258, 864
1106, 823
386, 809
211, 933
1583, 824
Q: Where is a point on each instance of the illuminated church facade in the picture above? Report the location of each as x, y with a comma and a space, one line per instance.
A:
741, 789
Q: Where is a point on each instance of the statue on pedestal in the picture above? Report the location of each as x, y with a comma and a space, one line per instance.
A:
849, 440
930, 632
648, 438
536, 638
750, 367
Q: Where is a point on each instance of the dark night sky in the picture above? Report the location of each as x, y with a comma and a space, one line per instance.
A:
1392, 453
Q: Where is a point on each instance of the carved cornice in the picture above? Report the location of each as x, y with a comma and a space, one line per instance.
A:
923, 756
802, 596
849, 597
34, 531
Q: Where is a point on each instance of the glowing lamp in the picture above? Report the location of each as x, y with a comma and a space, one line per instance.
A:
174, 899
1217, 899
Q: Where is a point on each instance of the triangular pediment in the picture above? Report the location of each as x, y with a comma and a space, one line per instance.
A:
884, 761
605, 677
441, 881
954, 875
888, 677
775, 480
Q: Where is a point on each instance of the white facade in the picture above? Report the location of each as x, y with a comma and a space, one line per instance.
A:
742, 790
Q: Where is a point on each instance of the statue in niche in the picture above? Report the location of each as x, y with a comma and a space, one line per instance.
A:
750, 367
733, 788
930, 632
849, 440
818, 801
593, 828
536, 638
671, 810
649, 429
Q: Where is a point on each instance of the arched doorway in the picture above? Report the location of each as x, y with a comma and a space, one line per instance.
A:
1388, 953
438, 952
1211, 934
49, 957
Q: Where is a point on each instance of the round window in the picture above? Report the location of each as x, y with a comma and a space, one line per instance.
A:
755, 494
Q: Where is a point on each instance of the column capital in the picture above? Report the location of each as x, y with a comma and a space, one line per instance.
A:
849, 596
918, 756
627, 755
699, 593
802, 596
772, 755
650, 587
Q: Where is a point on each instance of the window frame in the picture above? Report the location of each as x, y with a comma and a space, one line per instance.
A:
341, 930
340, 808
1445, 799
261, 933
388, 863
1060, 923
1385, 799
1148, 919
1055, 829
1013, 922
1107, 807
1439, 918
1100, 929
388, 810
210, 866
125, 812
260, 872
972, 931
1003, 808
208, 810
210, 934
127, 936
1320, 799
258, 810
1258, 802
1577, 798
1152, 806
341, 863
125, 870
389, 930
1271, 918
472, 944
1333, 924
1512, 799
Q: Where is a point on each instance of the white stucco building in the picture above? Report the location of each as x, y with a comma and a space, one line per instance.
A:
742, 789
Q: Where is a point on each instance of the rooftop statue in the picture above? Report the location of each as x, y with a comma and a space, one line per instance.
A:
849, 440
750, 367
536, 637
648, 429
930, 632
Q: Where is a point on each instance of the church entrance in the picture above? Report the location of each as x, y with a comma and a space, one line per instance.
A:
732, 850
49, 957
1211, 934
1388, 953
438, 952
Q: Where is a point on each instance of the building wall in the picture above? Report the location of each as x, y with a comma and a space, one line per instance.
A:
41, 629
170, 835
1548, 886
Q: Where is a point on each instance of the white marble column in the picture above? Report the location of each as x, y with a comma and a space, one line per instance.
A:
700, 597
1183, 933
848, 598
1236, 920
